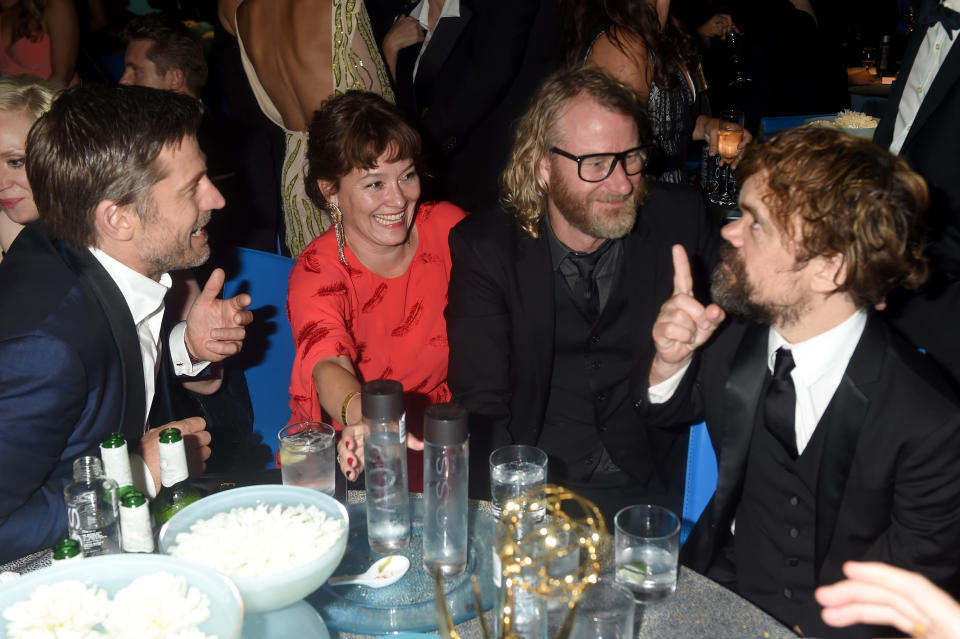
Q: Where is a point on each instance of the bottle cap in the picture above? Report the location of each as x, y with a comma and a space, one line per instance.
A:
382, 399
169, 435
445, 424
113, 440
67, 548
132, 498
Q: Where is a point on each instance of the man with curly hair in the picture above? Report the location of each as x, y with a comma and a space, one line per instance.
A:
551, 302
835, 439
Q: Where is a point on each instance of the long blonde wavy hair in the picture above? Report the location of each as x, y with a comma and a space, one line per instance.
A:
523, 191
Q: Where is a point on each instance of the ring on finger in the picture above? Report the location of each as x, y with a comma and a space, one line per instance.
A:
919, 630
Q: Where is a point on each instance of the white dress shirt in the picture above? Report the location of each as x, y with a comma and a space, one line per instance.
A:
819, 366
144, 297
451, 9
933, 51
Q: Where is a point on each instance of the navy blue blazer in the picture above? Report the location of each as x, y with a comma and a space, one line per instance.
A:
70, 372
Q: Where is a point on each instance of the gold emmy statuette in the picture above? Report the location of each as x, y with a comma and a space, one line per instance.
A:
551, 543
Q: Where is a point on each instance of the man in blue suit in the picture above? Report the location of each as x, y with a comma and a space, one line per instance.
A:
123, 196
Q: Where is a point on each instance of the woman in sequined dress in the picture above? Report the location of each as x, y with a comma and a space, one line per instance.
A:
640, 44
296, 54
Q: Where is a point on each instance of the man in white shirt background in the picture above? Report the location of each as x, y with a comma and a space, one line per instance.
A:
921, 125
835, 439
123, 197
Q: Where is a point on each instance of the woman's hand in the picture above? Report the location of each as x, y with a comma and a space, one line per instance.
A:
350, 449
876, 593
406, 31
718, 25
708, 129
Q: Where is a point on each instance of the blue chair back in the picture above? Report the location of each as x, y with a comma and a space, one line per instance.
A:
267, 355
701, 479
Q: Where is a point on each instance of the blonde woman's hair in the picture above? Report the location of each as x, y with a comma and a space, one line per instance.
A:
523, 191
28, 92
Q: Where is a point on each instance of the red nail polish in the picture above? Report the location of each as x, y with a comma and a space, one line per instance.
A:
348, 445
352, 462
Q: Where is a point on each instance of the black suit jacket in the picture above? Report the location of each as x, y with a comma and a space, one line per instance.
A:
500, 324
475, 79
889, 482
70, 372
931, 148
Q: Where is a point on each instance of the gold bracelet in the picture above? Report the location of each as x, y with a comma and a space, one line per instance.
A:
346, 404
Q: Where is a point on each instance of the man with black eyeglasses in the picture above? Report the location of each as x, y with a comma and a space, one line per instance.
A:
552, 300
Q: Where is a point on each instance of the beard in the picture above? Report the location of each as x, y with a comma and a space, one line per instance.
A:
733, 292
577, 209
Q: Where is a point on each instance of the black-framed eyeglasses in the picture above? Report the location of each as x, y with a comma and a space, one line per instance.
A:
597, 167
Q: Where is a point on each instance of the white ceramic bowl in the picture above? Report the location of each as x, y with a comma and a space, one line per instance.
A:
865, 132
113, 572
269, 592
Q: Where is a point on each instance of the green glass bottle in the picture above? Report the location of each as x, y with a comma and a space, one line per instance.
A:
177, 492
67, 549
136, 531
116, 462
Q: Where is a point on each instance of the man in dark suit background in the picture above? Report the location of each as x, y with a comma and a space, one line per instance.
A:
550, 303
835, 439
921, 125
123, 197
464, 89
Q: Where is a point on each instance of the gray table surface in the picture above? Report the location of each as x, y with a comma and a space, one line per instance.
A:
699, 608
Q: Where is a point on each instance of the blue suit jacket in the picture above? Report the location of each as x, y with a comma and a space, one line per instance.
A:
70, 372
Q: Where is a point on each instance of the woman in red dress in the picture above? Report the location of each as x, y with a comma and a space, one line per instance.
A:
366, 297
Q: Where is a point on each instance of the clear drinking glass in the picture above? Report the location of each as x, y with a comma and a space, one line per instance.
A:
515, 470
647, 541
605, 611
307, 456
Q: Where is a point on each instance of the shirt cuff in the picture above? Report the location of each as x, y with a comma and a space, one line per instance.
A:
662, 393
182, 364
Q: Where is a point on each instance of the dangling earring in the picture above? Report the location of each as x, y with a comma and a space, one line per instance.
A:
337, 216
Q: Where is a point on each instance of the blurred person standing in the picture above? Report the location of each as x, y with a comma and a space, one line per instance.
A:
41, 38
464, 71
297, 53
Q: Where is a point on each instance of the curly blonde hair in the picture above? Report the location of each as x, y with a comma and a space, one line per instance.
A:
853, 199
523, 191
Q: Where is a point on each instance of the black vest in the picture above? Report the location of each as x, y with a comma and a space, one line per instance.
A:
591, 368
775, 538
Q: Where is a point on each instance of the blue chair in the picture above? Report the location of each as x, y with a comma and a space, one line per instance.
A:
701, 478
267, 355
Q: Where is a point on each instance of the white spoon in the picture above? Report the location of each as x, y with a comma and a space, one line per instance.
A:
382, 573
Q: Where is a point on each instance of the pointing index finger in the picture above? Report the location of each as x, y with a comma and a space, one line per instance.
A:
682, 279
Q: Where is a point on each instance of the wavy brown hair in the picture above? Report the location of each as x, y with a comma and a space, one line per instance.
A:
351, 131
853, 198
671, 47
523, 191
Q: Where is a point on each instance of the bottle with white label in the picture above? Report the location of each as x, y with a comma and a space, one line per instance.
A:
116, 462
445, 457
385, 466
176, 491
93, 510
136, 529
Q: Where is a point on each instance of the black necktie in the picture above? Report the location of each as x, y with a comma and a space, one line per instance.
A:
780, 404
932, 13
586, 295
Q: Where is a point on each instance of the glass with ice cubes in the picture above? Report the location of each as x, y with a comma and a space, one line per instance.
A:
514, 471
647, 540
307, 456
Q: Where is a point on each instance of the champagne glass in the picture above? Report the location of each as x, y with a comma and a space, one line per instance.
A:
729, 137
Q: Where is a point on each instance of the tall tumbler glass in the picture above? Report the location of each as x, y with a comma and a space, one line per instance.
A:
514, 471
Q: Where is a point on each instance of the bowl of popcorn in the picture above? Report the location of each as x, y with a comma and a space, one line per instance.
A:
121, 596
852, 122
276, 543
